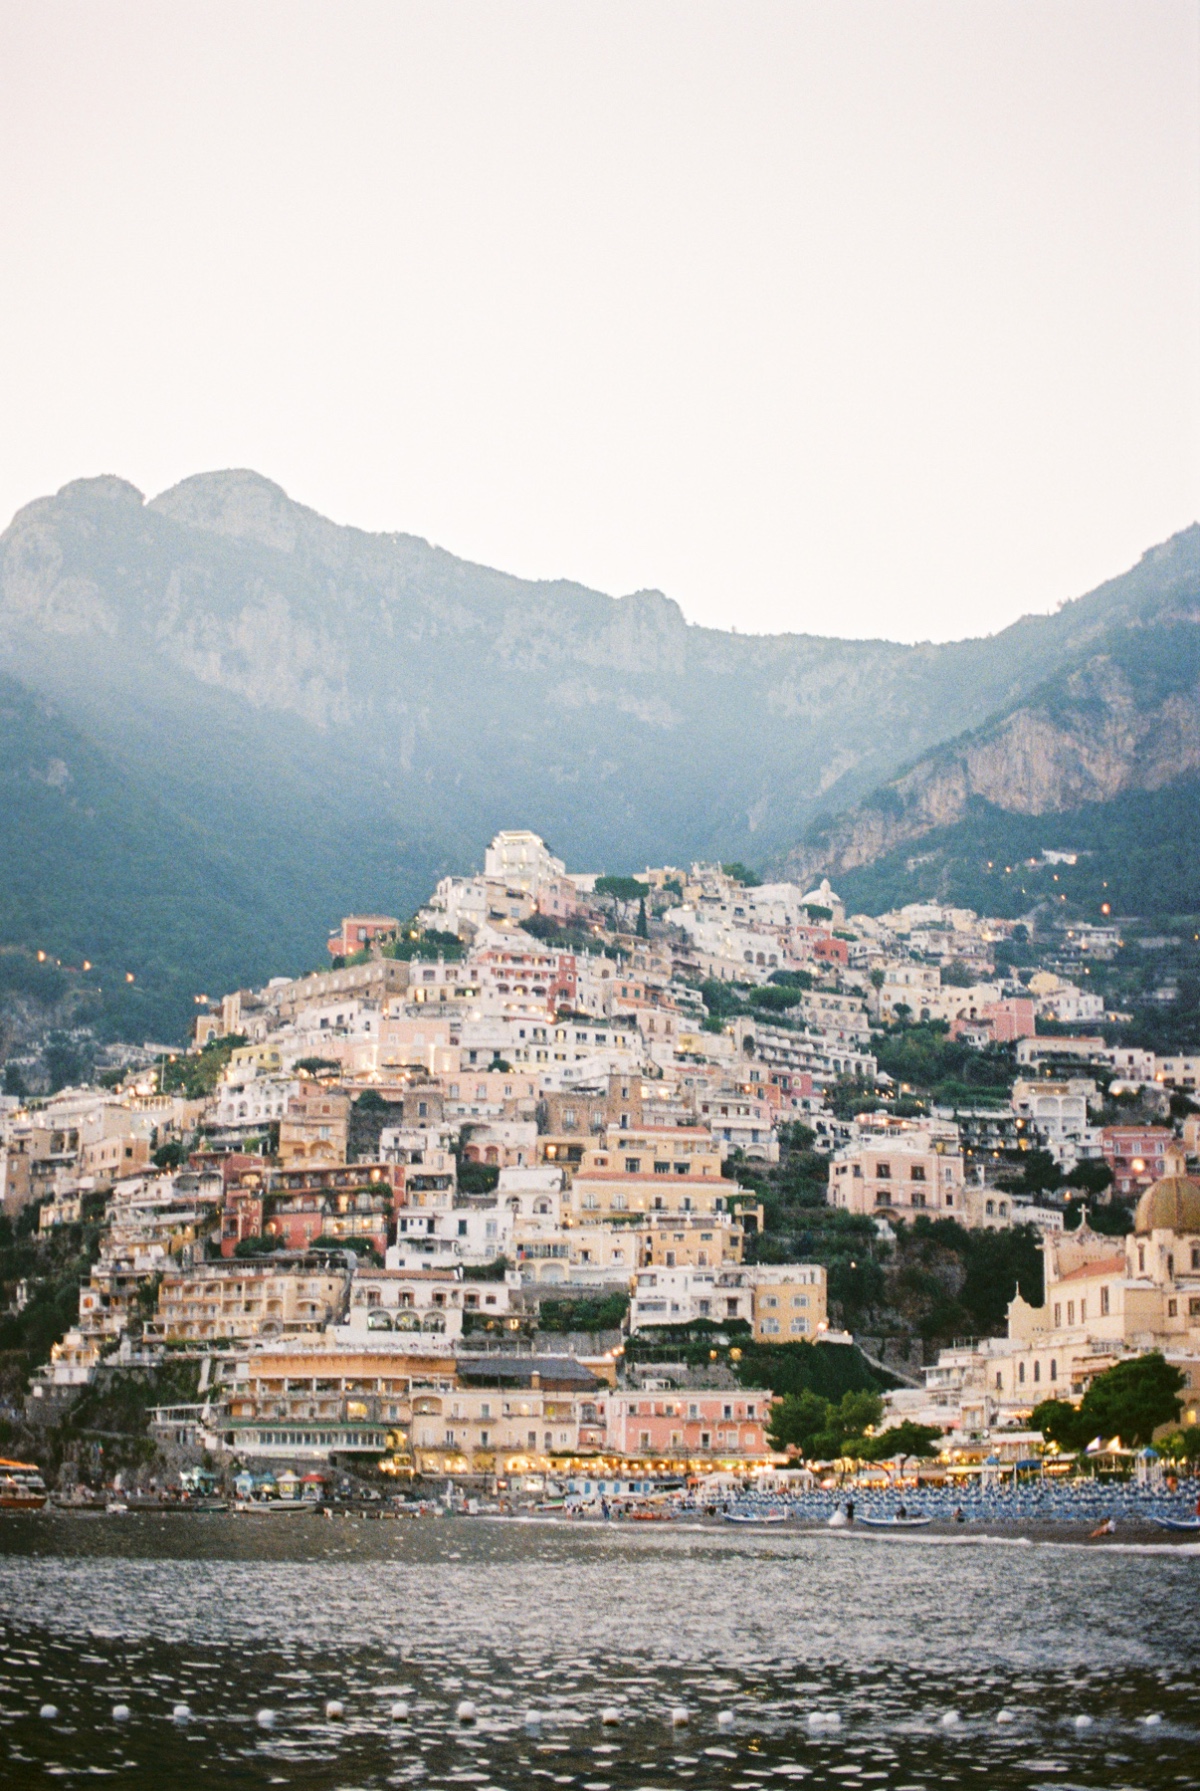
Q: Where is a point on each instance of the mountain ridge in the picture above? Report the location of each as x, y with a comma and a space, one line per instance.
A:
354, 714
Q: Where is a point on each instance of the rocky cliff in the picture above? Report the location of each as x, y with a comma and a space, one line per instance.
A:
1127, 718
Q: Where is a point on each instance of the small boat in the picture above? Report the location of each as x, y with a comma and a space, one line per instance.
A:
273, 1507
756, 1518
1189, 1525
21, 1486
895, 1523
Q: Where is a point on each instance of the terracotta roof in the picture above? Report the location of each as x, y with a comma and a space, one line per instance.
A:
1105, 1265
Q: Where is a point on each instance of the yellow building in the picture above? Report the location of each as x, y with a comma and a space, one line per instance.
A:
235, 1299
789, 1302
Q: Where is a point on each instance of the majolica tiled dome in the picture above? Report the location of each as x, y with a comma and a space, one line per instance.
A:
1172, 1204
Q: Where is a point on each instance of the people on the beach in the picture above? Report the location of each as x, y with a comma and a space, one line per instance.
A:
1107, 1528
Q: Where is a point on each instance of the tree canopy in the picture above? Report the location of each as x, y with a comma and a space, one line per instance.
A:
1131, 1400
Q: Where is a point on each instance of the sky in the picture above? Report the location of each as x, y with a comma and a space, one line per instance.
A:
867, 317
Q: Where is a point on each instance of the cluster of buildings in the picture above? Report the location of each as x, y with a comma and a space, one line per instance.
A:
521, 1097
1105, 1299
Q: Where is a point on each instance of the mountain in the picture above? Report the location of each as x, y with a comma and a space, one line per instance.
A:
1065, 767
280, 719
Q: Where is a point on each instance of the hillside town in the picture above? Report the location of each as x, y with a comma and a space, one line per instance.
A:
490, 1198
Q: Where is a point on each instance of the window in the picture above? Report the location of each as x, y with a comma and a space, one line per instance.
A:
770, 1327
917, 1172
1021, 1372
1057, 1315
1037, 1371
883, 1171
662, 1168
1053, 1369
799, 1326
1070, 1312
1104, 1302
633, 1165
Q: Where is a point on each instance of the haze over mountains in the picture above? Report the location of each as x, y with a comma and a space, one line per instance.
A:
226, 720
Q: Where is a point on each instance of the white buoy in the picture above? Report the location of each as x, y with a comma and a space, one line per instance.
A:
466, 1712
1153, 1721
181, 1714
533, 1719
265, 1719
399, 1713
610, 1717
679, 1717
120, 1713
334, 1710
724, 1719
49, 1713
1006, 1716
950, 1719
824, 1719
1083, 1722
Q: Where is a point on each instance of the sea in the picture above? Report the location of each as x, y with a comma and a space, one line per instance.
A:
167, 1651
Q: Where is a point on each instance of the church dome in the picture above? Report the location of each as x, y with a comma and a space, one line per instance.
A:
1172, 1204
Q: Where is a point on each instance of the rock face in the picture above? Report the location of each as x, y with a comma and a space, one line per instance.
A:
1125, 719
306, 718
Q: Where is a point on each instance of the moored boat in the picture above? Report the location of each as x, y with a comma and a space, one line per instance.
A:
21, 1486
757, 1518
1189, 1525
274, 1507
895, 1523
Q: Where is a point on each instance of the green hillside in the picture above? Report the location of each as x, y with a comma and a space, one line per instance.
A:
1140, 853
98, 868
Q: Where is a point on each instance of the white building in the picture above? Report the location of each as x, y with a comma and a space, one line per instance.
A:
520, 860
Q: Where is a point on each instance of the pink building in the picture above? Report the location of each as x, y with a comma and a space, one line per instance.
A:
724, 1424
1136, 1155
358, 931
1000, 1022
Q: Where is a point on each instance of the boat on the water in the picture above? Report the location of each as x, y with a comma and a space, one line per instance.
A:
895, 1523
1189, 1525
756, 1518
274, 1507
21, 1486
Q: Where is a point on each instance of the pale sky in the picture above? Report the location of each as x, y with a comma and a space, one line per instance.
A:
859, 317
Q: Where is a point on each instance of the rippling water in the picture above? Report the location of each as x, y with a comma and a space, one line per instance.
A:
873, 1661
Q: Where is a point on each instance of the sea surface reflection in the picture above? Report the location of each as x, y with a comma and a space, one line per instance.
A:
828, 1659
